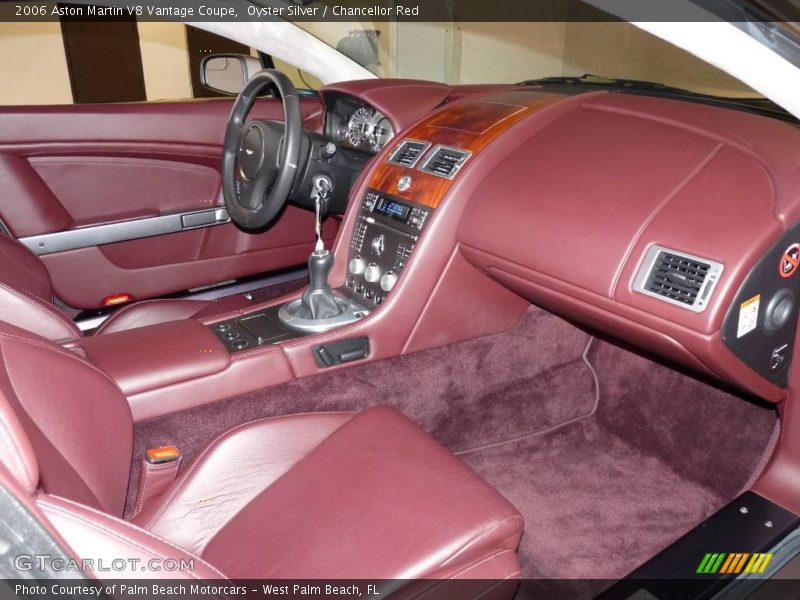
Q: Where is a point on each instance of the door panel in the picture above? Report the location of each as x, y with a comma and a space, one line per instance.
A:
101, 189
89, 273
73, 167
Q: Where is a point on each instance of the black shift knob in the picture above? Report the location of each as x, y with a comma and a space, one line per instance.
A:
320, 264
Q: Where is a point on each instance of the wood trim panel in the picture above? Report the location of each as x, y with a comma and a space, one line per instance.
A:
470, 125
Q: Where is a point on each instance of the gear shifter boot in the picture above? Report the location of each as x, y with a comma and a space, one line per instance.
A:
318, 305
318, 300
320, 308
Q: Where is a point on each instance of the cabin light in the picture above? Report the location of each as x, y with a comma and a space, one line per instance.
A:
115, 299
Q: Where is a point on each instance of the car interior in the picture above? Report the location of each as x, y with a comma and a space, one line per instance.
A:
425, 334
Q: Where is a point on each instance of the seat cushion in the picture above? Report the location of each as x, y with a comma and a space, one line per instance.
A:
100, 539
233, 470
369, 496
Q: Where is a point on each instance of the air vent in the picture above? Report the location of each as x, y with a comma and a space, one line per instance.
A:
678, 278
408, 153
445, 161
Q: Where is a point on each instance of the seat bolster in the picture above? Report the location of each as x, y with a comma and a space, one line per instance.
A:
378, 499
151, 312
31, 313
233, 470
104, 542
21, 269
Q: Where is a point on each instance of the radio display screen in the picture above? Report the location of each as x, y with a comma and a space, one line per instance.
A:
393, 209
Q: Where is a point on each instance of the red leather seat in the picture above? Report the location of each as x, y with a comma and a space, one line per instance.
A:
321, 495
27, 299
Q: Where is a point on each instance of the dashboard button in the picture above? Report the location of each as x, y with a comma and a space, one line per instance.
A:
372, 273
328, 150
388, 281
357, 265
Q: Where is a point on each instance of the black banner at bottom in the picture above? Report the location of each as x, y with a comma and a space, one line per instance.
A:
458, 589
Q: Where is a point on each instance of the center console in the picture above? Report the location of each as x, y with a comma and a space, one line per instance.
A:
384, 236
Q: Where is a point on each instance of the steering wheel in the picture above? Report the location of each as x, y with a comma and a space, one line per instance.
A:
260, 157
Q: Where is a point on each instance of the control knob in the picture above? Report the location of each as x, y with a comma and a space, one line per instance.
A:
388, 280
357, 265
372, 273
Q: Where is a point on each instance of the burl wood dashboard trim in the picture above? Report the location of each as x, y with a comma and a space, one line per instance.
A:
469, 125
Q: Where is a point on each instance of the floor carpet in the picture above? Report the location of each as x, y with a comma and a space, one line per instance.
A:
608, 454
655, 458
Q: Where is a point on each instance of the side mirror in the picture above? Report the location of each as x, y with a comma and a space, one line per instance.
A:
227, 73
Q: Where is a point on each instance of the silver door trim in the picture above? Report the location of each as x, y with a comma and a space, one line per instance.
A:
122, 231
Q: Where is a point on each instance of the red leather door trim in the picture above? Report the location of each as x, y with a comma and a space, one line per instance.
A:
63, 167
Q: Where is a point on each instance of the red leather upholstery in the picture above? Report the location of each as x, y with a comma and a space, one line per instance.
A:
401, 504
74, 417
26, 294
193, 510
156, 356
94, 535
17, 455
23, 271
26, 299
306, 496
151, 312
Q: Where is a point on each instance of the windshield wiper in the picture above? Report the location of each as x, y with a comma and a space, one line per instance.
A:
590, 81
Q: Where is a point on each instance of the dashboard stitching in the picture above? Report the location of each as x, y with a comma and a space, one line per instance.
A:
656, 211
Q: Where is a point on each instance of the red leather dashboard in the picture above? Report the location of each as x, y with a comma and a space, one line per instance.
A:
562, 202
566, 216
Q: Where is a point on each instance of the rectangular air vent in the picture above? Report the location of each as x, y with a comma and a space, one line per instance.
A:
678, 278
445, 161
408, 153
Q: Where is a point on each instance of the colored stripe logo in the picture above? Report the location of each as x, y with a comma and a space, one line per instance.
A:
723, 563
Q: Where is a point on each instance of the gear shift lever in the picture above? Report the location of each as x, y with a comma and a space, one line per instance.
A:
318, 301
319, 308
320, 195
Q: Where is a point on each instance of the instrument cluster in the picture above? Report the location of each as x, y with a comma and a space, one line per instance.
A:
357, 125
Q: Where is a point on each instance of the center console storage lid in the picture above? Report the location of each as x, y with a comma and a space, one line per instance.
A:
158, 355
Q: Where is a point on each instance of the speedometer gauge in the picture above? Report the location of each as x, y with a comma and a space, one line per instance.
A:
357, 126
381, 133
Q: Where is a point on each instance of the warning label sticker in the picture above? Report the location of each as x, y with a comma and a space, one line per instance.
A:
748, 316
789, 261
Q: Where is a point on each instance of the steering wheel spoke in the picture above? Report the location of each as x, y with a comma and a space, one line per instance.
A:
260, 157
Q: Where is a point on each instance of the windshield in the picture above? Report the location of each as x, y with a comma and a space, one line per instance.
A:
475, 53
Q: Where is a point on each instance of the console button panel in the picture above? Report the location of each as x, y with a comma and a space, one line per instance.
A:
252, 330
385, 234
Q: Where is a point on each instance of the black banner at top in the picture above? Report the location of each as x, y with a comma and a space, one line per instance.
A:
404, 10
